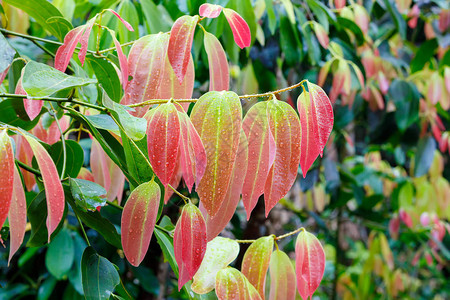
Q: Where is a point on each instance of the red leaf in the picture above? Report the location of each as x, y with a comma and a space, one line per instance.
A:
189, 242
218, 65
309, 263
3, 74
53, 189
84, 40
209, 10
6, 175
193, 155
215, 225
25, 155
180, 43
86, 175
127, 25
285, 128
262, 150
217, 118
163, 139
65, 52
175, 180
256, 262
17, 215
240, 29
145, 62
122, 60
32, 107
232, 284
50, 135
138, 221
282, 277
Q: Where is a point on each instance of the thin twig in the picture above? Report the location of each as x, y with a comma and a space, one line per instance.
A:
82, 229
63, 141
17, 96
28, 168
114, 48
185, 199
289, 233
114, 205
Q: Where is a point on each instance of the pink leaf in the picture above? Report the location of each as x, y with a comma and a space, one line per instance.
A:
122, 60
232, 284
25, 155
240, 29
127, 25
218, 65
32, 107
3, 74
50, 135
86, 175
261, 149
17, 215
309, 263
189, 242
65, 52
163, 139
321, 35
85, 40
282, 277
180, 43
138, 221
209, 10
175, 180
6, 175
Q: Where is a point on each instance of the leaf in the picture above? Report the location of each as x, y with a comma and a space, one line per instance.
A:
232, 284
309, 263
25, 155
192, 152
406, 99
123, 62
209, 10
424, 54
137, 163
167, 248
40, 80
32, 107
163, 139
74, 157
189, 242
282, 277
180, 44
215, 225
262, 150
157, 17
87, 194
99, 276
256, 262
74, 274
138, 221
9, 115
47, 130
6, 175
217, 118
397, 18
218, 65
60, 254
17, 216
285, 128
7, 55
240, 29
107, 76
220, 252
53, 189
424, 156
127, 25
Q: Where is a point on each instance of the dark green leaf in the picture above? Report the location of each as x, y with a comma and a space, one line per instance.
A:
345, 23
137, 164
75, 273
166, 244
424, 156
424, 54
46, 288
74, 157
406, 99
60, 254
397, 17
288, 43
9, 115
107, 76
87, 194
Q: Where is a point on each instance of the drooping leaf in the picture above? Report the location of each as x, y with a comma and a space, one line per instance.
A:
127, 25
262, 151
180, 43
220, 252
40, 80
232, 284
32, 107
217, 118
214, 225
6, 175
107, 76
240, 29
285, 128
74, 157
25, 155
189, 242
309, 263
175, 180
17, 215
163, 139
84, 41
424, 156
50, 134
166, 245
282, 277
256, 262
65, 52
138, 221
209, 10
87, 194
406, 99
60, 254
99, 276
218, 65
123, 62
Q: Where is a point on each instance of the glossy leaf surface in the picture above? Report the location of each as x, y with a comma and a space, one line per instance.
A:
282, 277
219, 76
6, 175
232, 284
210, 10
240, 29
60, 254
65, 52
25, 155
87, 194
32, 107
138, 221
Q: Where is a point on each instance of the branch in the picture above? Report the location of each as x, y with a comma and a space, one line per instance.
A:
17, 96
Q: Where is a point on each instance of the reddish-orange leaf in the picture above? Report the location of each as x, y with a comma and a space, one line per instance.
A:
309, 263
218, 65
25, 155
145, 62
138, 221
32, 107
163, 139
214, 225
256, 262
53, 189
180, 43
84, 40
189, 242
192, 152
282, 277
285, 128
65, 52
240, 29
17, 216
175, 180
127, 25
122, 60
232, 284
6, 175
217, 116
209, 10
261, 154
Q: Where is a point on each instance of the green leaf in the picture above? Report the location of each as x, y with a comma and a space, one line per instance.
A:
44, 13
9, 114
136, 163
74, 157
271, 16
157, 17
107, 76
397, 17
87, 194
6, 54
40, 80
46, 288
60, 254
128, 12
99, 276
345, 23
288, 42
406, 99
105, 122
424, 156
75, 273
166, 244
423, 55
